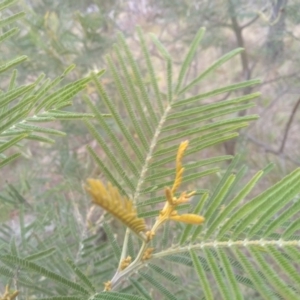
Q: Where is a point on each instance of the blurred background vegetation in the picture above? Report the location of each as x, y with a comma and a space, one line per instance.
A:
55, 34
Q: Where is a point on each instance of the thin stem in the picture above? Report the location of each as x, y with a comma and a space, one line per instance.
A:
150, 153
118, 274
250, 22
288, 126
132, 267
271, 150
125, 243
227, 244
138, 263
258, 14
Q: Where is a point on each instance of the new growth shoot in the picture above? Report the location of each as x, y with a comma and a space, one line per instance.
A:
122, 208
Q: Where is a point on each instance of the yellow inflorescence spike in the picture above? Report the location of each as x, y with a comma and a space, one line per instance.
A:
179, 168
169, 211
120, 207
188, 218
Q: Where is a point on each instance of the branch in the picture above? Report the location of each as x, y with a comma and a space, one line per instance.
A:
279, 78
288, 125
267, 148
265, 110
250, 22
237, 29
258, 14
216, 22
225, 97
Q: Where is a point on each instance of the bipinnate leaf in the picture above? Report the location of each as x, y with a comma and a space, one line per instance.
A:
115, 296
22, 107
237, 245
31, 266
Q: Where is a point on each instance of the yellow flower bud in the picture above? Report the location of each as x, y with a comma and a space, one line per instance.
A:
188, 218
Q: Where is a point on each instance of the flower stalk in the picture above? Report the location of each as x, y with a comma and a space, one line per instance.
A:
124, 210
9, 295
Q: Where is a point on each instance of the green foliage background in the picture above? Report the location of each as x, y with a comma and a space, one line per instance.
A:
53, 245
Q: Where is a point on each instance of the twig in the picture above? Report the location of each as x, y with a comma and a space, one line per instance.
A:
279, 78
261, 114
266, 147
250, 22
254, 19
271, 150
225, 97
216, 23
288, 125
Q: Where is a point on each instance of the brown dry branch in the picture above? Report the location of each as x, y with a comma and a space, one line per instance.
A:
268, 149
280, 150
288, 126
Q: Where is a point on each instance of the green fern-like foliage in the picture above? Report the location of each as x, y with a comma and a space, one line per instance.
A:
24, 108
246, 248
261, 230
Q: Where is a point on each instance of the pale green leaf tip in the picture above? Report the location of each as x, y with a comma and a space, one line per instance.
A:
69, 69
202, 30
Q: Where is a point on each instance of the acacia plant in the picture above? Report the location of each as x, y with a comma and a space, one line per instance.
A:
24, 108
179, 240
